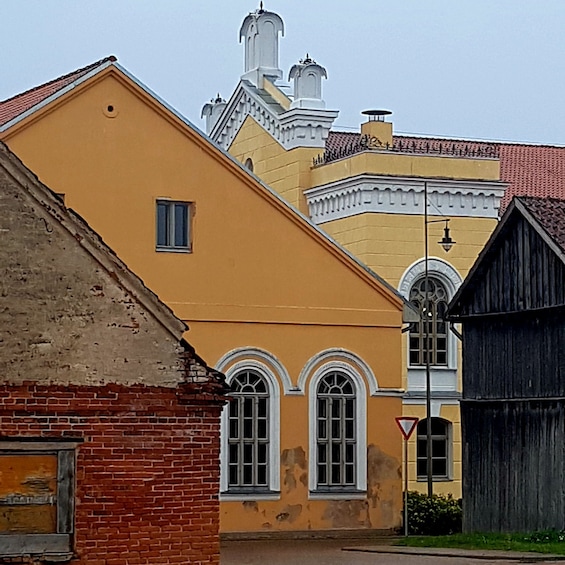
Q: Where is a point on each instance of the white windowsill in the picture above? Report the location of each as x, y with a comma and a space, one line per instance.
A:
337, 495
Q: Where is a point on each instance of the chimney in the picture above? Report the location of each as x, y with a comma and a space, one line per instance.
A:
376, 129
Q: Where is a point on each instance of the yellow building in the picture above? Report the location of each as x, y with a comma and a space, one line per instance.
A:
308, 337
366, 190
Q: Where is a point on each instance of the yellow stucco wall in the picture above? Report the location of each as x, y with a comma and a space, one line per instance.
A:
387, 243
288, 172
390, 243
258, 275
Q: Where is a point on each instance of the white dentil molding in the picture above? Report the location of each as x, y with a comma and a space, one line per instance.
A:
403, 195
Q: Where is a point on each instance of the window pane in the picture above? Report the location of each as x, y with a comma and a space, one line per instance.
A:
350, 475
262, 429
262, 475
162, 223
248, 428
181, 225
336, 474
439, 468
234, 428
322, 475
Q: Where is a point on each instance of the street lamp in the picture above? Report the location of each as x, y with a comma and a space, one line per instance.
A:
447, 243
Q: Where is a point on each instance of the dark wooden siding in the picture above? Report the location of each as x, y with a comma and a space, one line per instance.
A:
513, 458
519, 272
515, 356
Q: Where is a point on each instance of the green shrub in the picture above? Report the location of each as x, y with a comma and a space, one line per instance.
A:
437, 515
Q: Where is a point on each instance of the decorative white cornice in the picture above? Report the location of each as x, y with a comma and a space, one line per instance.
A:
298, 127
403, 195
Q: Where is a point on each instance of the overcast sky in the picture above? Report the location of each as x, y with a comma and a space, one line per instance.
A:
486, 69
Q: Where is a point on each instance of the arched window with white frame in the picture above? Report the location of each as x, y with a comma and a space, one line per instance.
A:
248, 432
336, 436
338, 463
250, 458
429, 336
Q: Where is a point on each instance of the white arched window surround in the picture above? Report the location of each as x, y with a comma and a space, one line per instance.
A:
274, 433
361, 430
339, 355
450, 278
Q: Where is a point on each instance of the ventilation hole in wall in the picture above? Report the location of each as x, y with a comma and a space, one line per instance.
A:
110, 108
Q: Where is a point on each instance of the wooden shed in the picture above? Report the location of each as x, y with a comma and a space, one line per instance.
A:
512, 310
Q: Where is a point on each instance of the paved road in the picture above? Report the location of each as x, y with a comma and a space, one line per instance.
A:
329, 552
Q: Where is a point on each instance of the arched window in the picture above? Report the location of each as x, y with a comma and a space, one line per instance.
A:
336, 434
429, 337
248, 432
441, 449
249, 164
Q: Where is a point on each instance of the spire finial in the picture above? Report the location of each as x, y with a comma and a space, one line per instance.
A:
260, 7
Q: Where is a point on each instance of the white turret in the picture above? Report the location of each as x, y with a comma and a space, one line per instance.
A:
260, 31
212, 112
308, 75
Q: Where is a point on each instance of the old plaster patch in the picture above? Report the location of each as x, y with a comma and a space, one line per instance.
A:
294, 464
380, 467
250, 506
348, 514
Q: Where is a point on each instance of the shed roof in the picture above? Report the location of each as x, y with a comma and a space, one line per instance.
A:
522, 266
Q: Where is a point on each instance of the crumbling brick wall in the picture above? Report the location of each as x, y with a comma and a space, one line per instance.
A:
147, 477
64, 316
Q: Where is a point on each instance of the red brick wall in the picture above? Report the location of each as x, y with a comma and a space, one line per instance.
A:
147, 472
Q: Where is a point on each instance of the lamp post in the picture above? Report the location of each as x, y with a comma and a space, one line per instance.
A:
447, 243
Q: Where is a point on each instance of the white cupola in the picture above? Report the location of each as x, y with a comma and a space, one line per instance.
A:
212, 112
308, 75
260, 31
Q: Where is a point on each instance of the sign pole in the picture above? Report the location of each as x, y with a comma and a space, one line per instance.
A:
407, 425
405, 487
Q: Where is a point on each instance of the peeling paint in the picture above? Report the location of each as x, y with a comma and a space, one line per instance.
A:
290, 513
250, 506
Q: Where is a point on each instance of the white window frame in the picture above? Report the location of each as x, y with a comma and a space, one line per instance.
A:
170, 228
360, 489
273, 492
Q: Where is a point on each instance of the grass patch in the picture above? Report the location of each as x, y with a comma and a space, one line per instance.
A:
539, 542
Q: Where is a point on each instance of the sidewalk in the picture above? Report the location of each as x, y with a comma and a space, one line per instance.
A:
487, 555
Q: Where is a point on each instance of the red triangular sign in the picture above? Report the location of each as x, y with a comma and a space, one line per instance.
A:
407, 424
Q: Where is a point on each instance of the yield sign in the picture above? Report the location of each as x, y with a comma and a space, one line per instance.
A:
406, 425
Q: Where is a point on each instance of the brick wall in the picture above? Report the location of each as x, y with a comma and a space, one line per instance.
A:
147, 473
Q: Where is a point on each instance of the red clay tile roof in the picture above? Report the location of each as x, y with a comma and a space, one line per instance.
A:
529, 170
13, 107
550, 213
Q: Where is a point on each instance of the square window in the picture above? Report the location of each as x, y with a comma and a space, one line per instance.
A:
37, 497
173, 225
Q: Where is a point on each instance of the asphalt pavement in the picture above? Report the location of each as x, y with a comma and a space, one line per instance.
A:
359, 552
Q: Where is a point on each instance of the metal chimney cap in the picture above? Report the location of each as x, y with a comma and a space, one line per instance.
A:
376, 115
